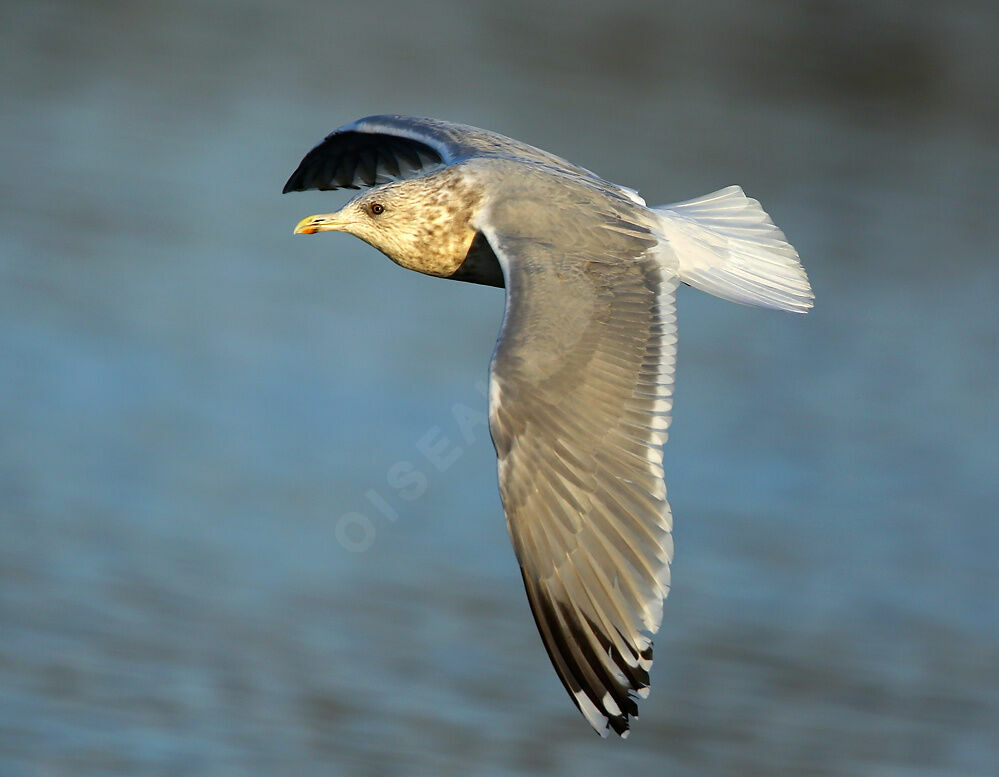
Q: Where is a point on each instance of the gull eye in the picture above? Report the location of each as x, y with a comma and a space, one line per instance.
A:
377, 208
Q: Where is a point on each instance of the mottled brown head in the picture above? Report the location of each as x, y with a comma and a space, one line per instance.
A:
422, 224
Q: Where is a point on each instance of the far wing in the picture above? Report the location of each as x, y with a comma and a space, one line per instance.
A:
378, 149
580, 394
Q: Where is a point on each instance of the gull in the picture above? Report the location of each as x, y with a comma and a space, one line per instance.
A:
581, 379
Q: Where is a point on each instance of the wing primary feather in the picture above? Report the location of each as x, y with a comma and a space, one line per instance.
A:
544, 617
367, 164
346, 169
586, 667
388, 162
611, 630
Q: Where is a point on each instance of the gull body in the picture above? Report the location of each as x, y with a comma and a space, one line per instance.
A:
582, 375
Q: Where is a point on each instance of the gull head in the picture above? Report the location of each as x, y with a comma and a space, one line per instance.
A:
422, 224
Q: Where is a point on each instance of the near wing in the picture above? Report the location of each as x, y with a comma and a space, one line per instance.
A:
379, 149
580, 394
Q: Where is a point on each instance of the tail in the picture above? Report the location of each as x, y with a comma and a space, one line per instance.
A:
727, 245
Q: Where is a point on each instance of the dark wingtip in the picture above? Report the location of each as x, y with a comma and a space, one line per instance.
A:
294, 183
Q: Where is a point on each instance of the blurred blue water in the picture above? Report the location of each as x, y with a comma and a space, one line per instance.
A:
191, 400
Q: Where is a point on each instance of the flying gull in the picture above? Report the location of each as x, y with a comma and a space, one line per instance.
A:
581, 380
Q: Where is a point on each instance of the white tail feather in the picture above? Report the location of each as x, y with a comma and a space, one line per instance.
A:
726, 245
